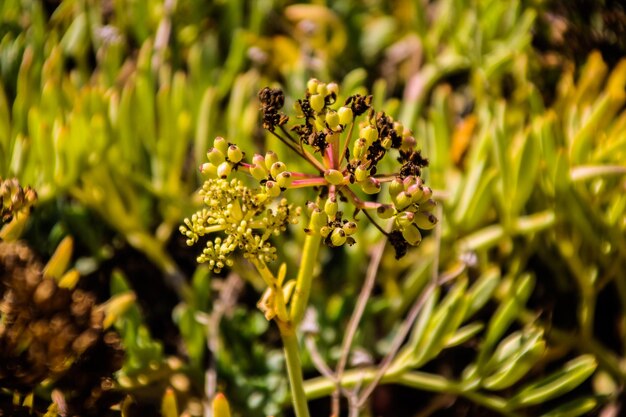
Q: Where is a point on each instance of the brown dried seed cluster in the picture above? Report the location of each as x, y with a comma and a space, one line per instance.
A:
44, 329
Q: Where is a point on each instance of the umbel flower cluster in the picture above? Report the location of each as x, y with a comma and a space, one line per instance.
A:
344, 146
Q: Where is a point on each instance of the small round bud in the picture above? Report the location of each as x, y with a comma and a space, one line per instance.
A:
425, 221
220, 144
385, 212
428, 193
322, 90
332, 119
398, 127
270, 159
258, 160
311, 85
234, 154
338, 237
208, 169
408, 143
224, 169
370, 186
361, 173
412, 235
325, 231
349, 228
277, 168
332, 88
359, 148
258, 172
405, 218
395, 187
284, 179
317, 102
386, 143
345, 115
402, 200
370, 134
331, 207
215, 156
333, 177
273, 190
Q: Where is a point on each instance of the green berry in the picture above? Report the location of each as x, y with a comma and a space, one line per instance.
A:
338, 237
412, 235
317, 102
333, 177
215, 156
234, 154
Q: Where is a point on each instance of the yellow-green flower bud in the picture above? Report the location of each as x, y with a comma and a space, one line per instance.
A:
428, 193
416, 191
332, 88
220, 144
345, 115
385, 212
208, 169
273, 189
370, 186
412, 235
361, 173
318, 220
311, 85
215, 156
359, 148
425, 221
332, 119
322, 90
369, 133
270, 159
333, 177
386, 143
338, 237
325, 231
317, 102
284, 179
408, 143
277, 168
428, 205
395, 187
224, 169
349, 228
258, 172
234, 154
258, 160
405, 218
331, 207
402, 200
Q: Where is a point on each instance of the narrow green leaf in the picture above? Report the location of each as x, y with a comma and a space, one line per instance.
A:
562, 381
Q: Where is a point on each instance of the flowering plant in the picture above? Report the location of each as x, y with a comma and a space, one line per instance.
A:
346, 179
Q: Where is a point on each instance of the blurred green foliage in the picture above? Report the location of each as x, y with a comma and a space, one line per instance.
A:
108, 107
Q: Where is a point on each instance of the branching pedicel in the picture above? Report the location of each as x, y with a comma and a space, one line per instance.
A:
344, 166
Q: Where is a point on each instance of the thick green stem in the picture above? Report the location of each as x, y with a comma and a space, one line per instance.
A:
300, 298
294, 369
322, 386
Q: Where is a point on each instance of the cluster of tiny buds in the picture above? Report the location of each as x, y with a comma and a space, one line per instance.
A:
243, 218
223, 158
411, 209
